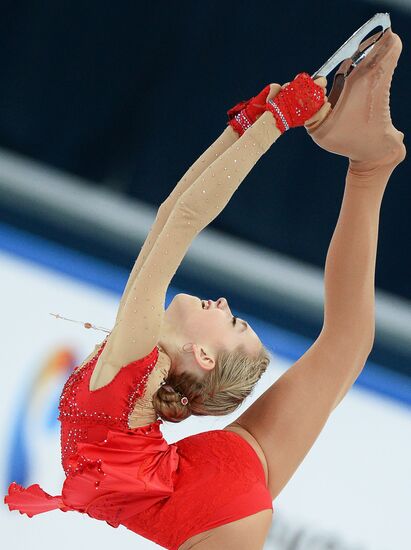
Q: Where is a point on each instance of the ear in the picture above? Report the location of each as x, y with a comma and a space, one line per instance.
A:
204, 361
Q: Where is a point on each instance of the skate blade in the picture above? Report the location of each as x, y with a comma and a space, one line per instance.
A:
350, 48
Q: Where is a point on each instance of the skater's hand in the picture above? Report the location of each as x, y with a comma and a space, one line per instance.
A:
276, 88
323, 112
292, 120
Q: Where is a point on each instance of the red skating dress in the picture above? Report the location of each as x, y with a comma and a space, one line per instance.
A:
133, 477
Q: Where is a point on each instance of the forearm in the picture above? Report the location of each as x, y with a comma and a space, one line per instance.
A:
259, 137
349, 316
210, 193
221, 144
217, 148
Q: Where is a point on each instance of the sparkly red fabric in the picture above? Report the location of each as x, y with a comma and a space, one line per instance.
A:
87, 415
297, 102
133, 477
245, 113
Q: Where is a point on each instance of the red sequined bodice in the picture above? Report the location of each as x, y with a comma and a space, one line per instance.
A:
88, 415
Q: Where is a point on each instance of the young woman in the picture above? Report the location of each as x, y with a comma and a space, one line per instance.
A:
215, 489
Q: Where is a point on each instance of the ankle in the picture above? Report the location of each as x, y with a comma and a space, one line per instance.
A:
389, 161
370, 174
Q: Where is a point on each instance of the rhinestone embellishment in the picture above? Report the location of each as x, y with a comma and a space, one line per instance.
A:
243, 120
276, 107
76, 420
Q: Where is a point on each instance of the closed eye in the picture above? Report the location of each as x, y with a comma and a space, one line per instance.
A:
243, 322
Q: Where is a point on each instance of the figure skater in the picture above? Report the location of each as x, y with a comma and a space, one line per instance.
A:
215, 489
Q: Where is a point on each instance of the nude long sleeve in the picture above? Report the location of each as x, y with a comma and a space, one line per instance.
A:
217, 148
221, 144
209, 194
139, 322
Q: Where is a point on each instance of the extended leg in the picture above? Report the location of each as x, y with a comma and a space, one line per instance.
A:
349, 316
287, 418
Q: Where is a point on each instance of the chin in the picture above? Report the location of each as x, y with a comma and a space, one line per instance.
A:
186, 300
183, 301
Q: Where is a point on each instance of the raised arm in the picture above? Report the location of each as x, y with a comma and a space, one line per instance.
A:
139, 322
221, 144
254, 108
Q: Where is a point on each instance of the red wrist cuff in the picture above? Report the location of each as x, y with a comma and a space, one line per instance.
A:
243, 115
296, 103
240, 122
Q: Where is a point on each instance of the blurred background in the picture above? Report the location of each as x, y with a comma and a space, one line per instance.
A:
103, 108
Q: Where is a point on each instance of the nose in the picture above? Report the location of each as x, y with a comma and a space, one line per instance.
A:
222, 304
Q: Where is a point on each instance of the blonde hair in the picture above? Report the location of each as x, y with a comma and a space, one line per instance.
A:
221, 392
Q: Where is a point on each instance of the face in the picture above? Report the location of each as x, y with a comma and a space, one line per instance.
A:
210, 326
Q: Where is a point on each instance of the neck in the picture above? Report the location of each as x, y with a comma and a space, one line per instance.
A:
169, 343
144, 412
